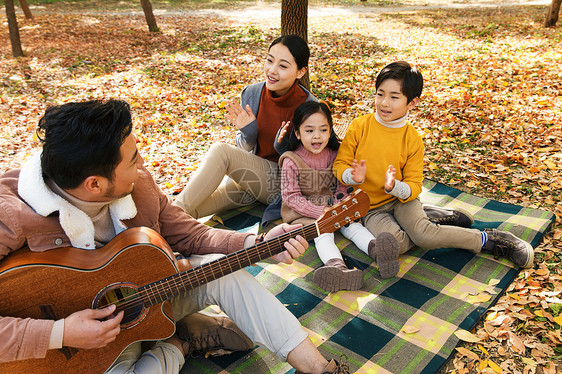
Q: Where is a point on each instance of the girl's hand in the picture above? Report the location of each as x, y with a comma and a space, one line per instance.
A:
283, 132
238, 116
358, 171
389, 178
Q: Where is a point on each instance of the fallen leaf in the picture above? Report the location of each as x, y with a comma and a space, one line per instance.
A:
484, 350
483, 364
410, 329
217, 218
516, 344
494, 366
467, 353
481, 298
467, 336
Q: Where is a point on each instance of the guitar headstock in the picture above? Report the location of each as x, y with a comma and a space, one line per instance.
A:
350, 209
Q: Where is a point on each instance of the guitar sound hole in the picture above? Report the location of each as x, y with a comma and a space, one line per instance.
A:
126, 299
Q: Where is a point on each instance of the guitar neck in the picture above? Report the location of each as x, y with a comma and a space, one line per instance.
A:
164, 289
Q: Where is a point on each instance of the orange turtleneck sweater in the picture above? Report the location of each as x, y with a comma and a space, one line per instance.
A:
272, 112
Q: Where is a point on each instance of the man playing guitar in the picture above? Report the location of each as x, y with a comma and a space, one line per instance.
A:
88, 185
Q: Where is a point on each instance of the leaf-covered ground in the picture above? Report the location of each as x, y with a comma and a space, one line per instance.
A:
491, 112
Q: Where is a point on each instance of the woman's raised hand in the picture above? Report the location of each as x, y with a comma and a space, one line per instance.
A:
283, 132
239, 116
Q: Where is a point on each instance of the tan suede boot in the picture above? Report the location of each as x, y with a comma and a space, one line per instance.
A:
202, 334
335, 276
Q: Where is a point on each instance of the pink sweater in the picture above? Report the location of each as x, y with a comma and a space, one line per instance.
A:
290, 189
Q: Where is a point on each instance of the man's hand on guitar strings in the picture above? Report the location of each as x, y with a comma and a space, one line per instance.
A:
91, 328
294, 247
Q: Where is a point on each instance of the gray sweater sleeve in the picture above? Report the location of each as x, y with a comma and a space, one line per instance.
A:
247, 137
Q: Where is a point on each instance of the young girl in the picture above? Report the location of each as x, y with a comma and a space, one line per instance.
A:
251, 166
307, 186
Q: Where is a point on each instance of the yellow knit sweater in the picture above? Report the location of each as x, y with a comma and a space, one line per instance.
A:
380, 146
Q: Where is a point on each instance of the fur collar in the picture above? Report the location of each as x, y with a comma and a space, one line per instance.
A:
75, 223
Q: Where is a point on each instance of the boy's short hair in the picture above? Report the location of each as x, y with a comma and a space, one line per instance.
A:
411, 80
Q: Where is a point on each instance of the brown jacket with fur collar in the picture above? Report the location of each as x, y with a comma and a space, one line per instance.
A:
39, 225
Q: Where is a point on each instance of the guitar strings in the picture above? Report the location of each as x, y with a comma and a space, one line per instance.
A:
152, 292
156, 292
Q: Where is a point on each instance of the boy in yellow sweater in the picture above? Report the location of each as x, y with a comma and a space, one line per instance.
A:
393, 152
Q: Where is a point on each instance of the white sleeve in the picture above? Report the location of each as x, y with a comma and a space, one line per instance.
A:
401, 190
347, 178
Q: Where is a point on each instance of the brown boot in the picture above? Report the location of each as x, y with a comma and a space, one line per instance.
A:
204, 333
385, 250
335, 276
334, 367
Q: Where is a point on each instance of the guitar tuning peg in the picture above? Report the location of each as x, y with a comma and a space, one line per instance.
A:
330, 201
339, 196
349, 189
346, 225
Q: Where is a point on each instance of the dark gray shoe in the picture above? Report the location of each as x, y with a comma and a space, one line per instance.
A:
385, 250
506, 245
452, 217
335, 276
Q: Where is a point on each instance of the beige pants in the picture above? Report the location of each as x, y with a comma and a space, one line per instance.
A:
253, 308
250, 178
410, 225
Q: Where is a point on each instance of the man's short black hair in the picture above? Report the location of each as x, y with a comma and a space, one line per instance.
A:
82, 139
411, 80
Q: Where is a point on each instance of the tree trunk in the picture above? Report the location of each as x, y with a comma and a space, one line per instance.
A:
294, 20
552, 15
25, 8
13, 28
150, 20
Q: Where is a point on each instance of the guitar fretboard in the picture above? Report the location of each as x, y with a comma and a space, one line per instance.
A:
164, 289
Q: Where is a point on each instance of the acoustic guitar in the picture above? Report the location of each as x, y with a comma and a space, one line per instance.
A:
136, 271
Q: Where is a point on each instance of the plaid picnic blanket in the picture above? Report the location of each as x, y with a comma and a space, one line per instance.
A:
401, 325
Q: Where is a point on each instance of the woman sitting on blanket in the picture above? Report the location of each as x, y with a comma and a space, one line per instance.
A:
307, 186
252, 165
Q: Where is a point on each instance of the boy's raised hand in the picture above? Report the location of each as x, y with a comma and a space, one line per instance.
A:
389, 178
283, 132
359, 169
239, 116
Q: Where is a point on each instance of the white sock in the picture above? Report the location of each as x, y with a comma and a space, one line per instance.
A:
359, 235
326, 247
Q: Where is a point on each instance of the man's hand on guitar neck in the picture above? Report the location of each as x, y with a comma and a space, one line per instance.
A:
294, 247
91, 328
